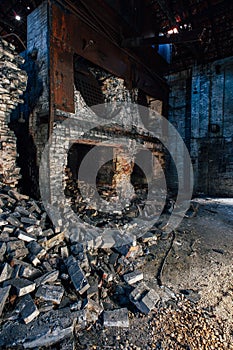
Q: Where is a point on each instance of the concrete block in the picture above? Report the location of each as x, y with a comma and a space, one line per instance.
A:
64, 252
34, 207
47, 233
77, 276
45, 306
34, 260
36, 250
14, 221
4, 292
15, 245
116, 318
93, 310
48, 277
52, 242
21, 286
8, 229
149, 237
3, 222
27, 308
48, 292
28, 271
137, 292
30, 229
2, 250
144, 298
133, 277
93, 282
19, 253
22, 211
5, 272
24, 236
150, 300
18, 196
107, 241
30, 221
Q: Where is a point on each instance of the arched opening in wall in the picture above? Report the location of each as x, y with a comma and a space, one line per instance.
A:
98, 173
80, 188
103, 181
76, 155
138, 177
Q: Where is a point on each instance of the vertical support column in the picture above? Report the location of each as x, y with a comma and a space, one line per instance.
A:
124, 162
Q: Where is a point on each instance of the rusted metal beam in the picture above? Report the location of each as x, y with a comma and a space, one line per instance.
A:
166, 8
211, 17
183, 37
70, 35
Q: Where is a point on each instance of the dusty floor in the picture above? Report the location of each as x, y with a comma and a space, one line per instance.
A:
198, 269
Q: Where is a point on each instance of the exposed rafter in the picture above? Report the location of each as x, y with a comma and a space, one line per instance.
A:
155, 16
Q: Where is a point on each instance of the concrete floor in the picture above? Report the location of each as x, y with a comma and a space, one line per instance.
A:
202, 255
199, 264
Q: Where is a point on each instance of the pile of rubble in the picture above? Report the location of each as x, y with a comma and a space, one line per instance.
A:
116, 218
13, 82
50, 285
113, 88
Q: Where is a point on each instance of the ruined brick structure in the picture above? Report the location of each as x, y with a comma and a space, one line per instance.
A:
12, 86
103, 87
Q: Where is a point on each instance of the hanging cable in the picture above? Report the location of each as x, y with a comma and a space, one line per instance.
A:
13, 34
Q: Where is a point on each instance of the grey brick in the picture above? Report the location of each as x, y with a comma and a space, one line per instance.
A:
21, 286
116, 318
4, 292
133, 277
77, 276
5, 272
50, 276
49, 292
27, 308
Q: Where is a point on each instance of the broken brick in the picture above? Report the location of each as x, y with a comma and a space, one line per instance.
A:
4, 292
133, 277
116, 318
77, 276
48, 292
5, 272
27, 308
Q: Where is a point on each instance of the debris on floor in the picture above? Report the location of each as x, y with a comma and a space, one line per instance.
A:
44, 275
52, 287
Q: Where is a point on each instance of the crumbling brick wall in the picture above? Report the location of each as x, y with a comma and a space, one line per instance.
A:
113, 90
13, 83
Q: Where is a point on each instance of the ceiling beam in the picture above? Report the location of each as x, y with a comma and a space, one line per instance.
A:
94, 47
165, 7
211, 18
183, 37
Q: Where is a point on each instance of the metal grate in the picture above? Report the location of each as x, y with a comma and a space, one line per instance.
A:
88, 86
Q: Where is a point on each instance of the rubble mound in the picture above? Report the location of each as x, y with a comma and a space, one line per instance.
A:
50, 284
12, 85
53, 289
